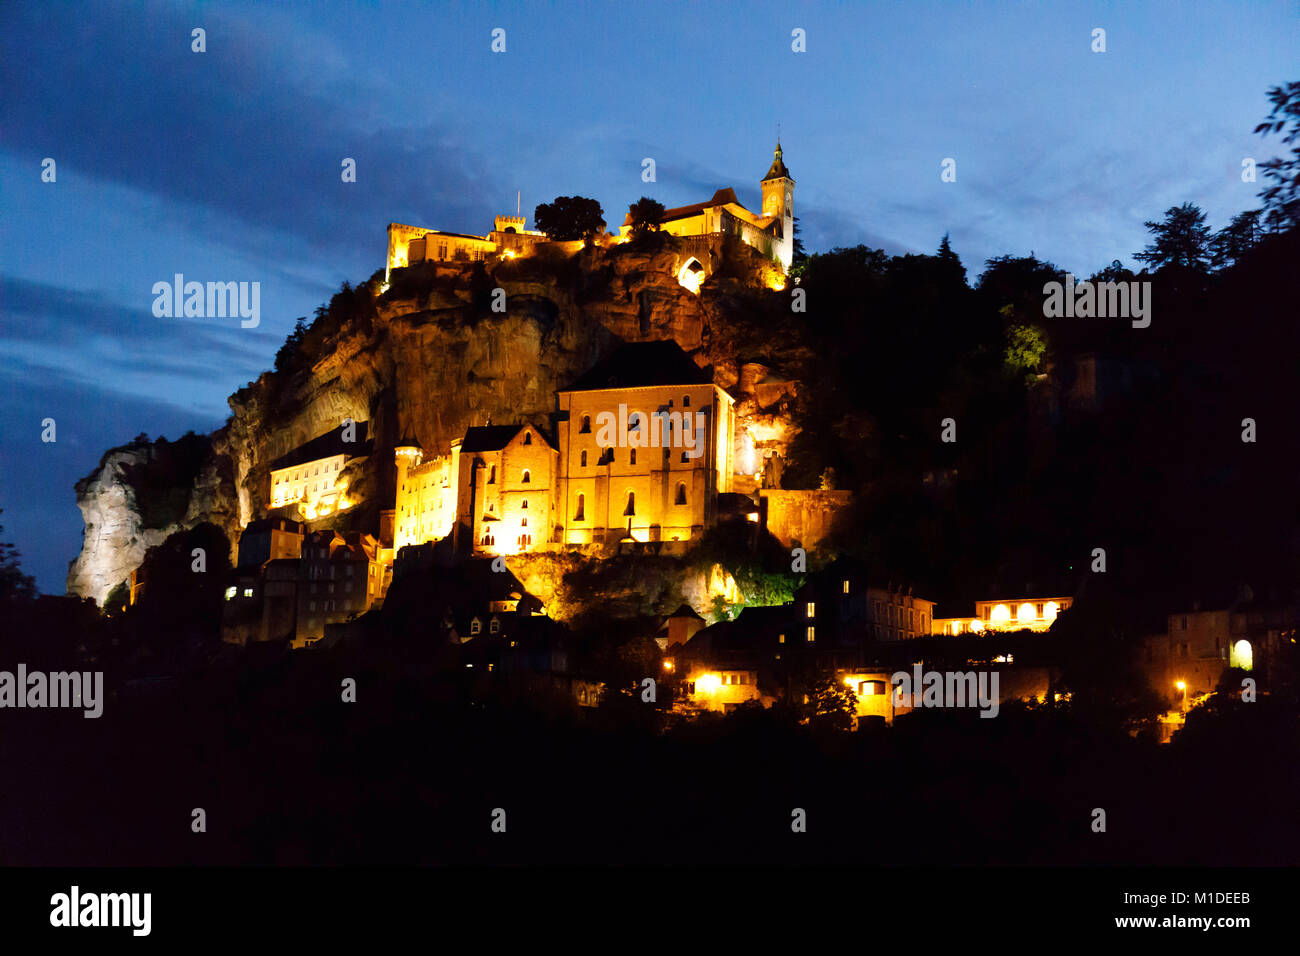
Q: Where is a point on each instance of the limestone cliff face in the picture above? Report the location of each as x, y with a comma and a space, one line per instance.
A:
431, 357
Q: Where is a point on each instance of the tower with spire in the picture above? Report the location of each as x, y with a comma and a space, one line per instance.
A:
778, 203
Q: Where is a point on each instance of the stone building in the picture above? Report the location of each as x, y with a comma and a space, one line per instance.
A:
312, 478
1006, 614
340, 576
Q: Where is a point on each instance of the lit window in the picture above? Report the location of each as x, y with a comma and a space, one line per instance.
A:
494, 626
812, 634
248, 592
780, 638
812, 609
230, 593
475, 626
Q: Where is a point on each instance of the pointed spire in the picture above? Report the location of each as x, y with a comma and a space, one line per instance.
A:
778, 165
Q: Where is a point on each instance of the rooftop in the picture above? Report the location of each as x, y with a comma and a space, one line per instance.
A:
643, 364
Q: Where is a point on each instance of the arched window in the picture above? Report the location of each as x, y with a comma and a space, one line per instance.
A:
586, 425
580, 514
492, 475
583, 460
523, 506
527, 476
631, 504
631, 457
686, 401
528, 438
681, 493
523, 522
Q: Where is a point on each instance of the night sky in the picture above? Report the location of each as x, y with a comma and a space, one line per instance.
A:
225, 165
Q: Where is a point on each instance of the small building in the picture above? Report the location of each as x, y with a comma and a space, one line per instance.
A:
312, 478
1005, 614
340, 576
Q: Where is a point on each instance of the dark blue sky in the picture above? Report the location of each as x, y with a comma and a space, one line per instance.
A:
225, 165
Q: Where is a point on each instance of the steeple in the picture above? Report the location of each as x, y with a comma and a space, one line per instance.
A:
778, 169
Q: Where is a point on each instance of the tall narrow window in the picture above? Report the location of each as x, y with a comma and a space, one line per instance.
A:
527, 477
631, 504
586, 425
631, 457
492, 475
528, 438
523, 505
580, 514
686, 401
583, 460
681, 493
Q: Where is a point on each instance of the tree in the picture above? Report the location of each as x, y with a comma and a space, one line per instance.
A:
1025, 348
950, 259
1282, 199
1235, 239
1182, 239
569, 218
645, 214
800, 256
284, 357
14, 585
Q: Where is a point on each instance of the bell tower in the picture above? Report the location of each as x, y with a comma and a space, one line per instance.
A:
778, 201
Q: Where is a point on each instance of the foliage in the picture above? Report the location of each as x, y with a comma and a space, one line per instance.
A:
1025, 348
1181, 239
645, 214
569, 218
14, 585
1282, 198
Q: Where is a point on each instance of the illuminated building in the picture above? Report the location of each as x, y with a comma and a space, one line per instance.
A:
313, 478
1020, 614
648, 485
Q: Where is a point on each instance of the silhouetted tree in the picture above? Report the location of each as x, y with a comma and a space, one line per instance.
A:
570, 217
645, 214
14, 585
1235, 239
1182, 239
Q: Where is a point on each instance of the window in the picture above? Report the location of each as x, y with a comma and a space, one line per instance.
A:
230, 592
631, 504
488, 539
527, 477
583, 460
311, 605
525, 540
634, 422
780, 638
475, 626
631, 457
528, 438
681, 494
348, 587
812, 634
248, 592
586, 425
812, 609
494, 626
686, 401
523, 522
492, 475
524, 505
685, 457
580, 515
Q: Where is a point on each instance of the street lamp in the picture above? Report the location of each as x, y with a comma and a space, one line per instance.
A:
1182, 686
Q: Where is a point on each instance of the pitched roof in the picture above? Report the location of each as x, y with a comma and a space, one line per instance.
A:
777, 169
327, 446
640, 364
493, 437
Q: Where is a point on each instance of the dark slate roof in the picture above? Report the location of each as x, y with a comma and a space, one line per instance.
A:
685, 611
408, 442
777, 169
262, 525
488, 437
327, 446
638, 364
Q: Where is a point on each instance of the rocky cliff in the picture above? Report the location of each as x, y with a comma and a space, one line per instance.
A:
434, 354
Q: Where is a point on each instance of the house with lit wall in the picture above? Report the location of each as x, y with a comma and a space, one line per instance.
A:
313, 479
1006, 614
